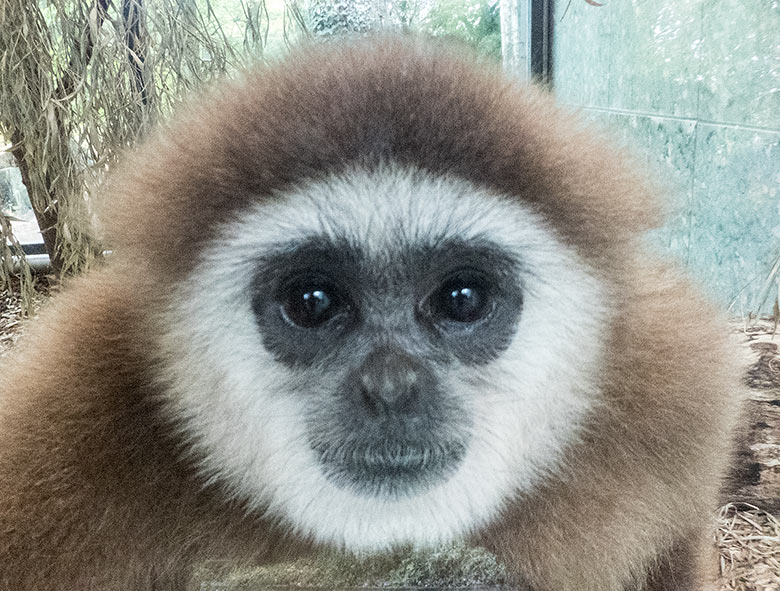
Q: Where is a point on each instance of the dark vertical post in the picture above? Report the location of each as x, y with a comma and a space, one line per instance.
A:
541, 12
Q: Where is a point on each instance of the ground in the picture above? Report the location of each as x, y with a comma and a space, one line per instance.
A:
748, 536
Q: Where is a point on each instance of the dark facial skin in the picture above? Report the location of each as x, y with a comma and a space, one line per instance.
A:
384, 329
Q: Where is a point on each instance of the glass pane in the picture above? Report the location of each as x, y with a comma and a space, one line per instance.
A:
694, 84
15, 202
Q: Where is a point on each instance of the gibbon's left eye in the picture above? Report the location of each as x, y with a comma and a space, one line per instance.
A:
466, 297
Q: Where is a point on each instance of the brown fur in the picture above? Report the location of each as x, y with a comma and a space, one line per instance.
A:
95, 491
642, 488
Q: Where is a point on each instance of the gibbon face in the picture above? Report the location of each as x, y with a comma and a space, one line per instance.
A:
384, 356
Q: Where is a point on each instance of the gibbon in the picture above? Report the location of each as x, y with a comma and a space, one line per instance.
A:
374, 295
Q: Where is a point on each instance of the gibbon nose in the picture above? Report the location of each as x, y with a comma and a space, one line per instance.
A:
391, 382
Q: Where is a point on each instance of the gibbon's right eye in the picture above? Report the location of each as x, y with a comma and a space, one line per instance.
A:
312, 303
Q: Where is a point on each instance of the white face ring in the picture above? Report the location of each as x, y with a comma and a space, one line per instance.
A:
242, 410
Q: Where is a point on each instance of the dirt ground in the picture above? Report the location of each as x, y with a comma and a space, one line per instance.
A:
748, 535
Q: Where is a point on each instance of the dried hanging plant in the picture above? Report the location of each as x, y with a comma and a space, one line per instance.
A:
84, 79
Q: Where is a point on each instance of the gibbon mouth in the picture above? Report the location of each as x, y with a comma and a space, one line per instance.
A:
389, 468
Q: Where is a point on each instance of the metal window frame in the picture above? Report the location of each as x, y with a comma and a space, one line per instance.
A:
526, 39
541, 34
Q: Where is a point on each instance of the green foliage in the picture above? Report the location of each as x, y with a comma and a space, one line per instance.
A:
328, 18
476, 22
343, 16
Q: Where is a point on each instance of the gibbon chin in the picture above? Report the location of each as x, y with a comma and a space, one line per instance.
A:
375, 295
